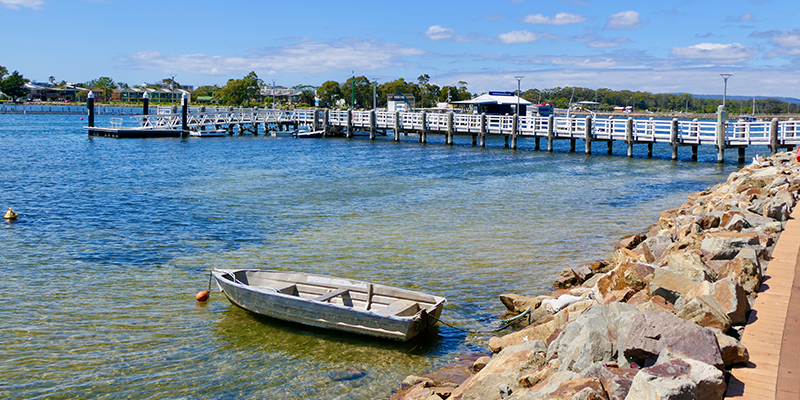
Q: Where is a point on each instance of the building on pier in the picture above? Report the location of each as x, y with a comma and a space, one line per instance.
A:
496, 103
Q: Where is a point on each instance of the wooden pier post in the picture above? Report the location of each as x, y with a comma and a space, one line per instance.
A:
514, 131
722, 115
423, 134
483, 129
145, 103
397, 126
184, 114
349, 124
551, 131
90, 106
694, 152
326, 122
629, 135
449, 139
773, 136
741, 155
610, 149
474, 139
587, 135
650, 150
673, 138
372, 124
572, 145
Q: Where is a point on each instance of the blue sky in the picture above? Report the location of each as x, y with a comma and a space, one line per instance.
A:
664, 46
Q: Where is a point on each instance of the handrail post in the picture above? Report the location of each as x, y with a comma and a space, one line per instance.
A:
722, 115
423, 135
629, 135
588, 134
372, 124
551, 131
449, 139
673, 138
349, 123
397, 126
773, 136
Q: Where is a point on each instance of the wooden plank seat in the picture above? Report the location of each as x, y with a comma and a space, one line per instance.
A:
400, 308
289, 288
344, 292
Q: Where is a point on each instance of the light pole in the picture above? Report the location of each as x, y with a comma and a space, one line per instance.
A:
273, 94
172, 89
519, 80
725, 90
353, 91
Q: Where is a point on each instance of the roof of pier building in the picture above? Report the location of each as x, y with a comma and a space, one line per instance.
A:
500, 98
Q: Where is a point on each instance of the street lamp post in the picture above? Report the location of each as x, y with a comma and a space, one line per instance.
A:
519, 80
375, 94
172, 89
353, 91
273, 94
725, 90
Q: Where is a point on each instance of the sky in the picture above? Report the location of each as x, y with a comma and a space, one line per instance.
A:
654, 46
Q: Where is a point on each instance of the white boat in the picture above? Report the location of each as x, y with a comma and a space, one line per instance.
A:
307, 134
214, 133
333, 303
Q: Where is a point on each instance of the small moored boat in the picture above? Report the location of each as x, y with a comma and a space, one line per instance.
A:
211, 133
307, 134
329, 302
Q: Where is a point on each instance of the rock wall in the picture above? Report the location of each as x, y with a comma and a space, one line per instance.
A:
660, 319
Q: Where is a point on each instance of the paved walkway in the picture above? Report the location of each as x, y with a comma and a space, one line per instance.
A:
772, 335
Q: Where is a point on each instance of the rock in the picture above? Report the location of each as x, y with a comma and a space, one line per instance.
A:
658, 304
590, 338
746, 272
417, 392
543, 389
618, 296
533, 378
704, 311
540, 331
732, 299
779, 207
612, 281
707, 222
654, 247
517, 303
580, 389
670, 285
567, 279
726, 245
616, 381
587, 271
630, 242
480, 363
452, 375
637, 276
678, 379
655, 332
732, 350
502, 370
638, 298
624, 256
690, 265
737, 223
413, 380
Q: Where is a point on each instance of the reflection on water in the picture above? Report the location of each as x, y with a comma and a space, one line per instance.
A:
114, 237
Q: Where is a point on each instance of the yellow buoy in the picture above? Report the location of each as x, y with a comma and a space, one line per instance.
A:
10, 215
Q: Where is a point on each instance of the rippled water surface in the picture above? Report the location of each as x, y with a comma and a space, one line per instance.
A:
115, 237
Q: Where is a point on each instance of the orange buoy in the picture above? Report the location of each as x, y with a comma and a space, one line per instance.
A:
201, 296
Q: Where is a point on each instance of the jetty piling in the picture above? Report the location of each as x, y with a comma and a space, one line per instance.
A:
90, 106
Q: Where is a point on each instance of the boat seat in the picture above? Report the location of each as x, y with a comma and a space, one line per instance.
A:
400, 308
345, 293
290, 289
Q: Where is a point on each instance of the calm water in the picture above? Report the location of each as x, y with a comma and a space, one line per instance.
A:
115, 237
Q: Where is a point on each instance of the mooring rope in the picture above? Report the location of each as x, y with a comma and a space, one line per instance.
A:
506, 323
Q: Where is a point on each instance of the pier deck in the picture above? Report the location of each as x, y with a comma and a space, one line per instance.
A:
772, 334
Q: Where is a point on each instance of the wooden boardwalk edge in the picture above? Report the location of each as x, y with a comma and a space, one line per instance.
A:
773, 339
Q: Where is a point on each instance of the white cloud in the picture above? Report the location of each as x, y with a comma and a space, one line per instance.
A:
15, 4
715, 52
787, 43
436, 32
623, 20
561, 18
597, 42
307, 57
519, 37
746, 17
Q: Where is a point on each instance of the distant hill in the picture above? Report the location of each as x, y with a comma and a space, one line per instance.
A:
790, 100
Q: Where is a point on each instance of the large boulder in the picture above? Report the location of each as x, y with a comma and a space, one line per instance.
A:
726, 245
732, 299
655, 332
654, 247
670, 285
505, 370
746, 271
678, 380
732, 350
518, 303
637, 275
567, 279
590, 338
691, 265
704, 311
580, 389
616, 381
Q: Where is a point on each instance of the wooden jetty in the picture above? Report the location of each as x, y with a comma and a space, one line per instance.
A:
722, 134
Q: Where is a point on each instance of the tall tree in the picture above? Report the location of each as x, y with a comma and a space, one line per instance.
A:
238, 91
14, 86
329, 92
3, 72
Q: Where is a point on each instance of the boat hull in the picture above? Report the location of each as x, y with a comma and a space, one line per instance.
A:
352, 314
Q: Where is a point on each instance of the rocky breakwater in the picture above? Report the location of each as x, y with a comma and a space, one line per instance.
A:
660, 319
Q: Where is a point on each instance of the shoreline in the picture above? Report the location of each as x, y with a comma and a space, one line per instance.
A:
665, 313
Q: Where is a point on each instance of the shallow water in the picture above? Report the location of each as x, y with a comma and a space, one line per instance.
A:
115, 237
